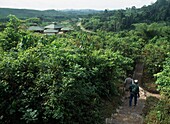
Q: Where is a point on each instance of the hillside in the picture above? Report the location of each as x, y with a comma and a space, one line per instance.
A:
53, 14
78, 77
117, 20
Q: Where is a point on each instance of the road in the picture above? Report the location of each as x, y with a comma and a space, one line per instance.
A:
83, 29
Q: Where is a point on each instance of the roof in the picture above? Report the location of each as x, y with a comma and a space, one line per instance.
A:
50, 31
35, 28
66, 29
53, 26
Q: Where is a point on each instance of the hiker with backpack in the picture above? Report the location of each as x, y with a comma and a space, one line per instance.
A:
134, 92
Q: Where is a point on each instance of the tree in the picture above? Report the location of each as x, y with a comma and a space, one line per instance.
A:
11, 35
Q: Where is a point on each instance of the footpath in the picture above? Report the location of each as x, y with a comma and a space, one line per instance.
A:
131, 115
83, 29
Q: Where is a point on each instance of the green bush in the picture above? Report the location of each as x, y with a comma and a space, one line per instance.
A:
54, 80
160, 114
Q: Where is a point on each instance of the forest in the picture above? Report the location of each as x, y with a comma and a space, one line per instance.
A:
117, 20
65, 78
45, 15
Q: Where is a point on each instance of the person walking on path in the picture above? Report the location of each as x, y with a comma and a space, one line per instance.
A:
134, 93
127, 83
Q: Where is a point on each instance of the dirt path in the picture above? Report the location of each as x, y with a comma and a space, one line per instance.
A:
132, 115
83, 29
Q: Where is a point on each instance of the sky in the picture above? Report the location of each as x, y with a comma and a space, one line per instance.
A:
73, 4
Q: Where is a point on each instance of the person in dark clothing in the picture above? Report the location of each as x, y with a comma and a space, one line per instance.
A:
134, 93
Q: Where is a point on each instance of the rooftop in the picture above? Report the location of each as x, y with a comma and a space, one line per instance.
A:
35, 28
53, 26
51, 31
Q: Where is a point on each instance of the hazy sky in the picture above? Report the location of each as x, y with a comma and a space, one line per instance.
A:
73, 4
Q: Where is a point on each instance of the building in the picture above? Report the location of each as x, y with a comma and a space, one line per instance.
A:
65, 29
51, 29
36, 28
53, 26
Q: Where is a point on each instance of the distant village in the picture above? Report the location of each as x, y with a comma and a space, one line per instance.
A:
51, 29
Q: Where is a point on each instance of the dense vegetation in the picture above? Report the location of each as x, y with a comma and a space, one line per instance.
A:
117, 20
45, 15
64, 78
159, 113
55, 79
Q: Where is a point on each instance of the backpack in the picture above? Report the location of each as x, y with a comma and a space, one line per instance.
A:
134, 88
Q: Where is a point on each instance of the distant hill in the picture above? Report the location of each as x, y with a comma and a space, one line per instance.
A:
59, 14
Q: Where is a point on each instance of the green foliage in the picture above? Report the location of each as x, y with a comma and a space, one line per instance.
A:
150, 103
57, 79
163, 78
46, 83
160, 114
156, 45
37, 16
155, 54
118, 20
63, 78
11, 35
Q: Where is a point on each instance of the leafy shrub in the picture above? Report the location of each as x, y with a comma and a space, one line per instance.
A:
160, 114
57, 83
